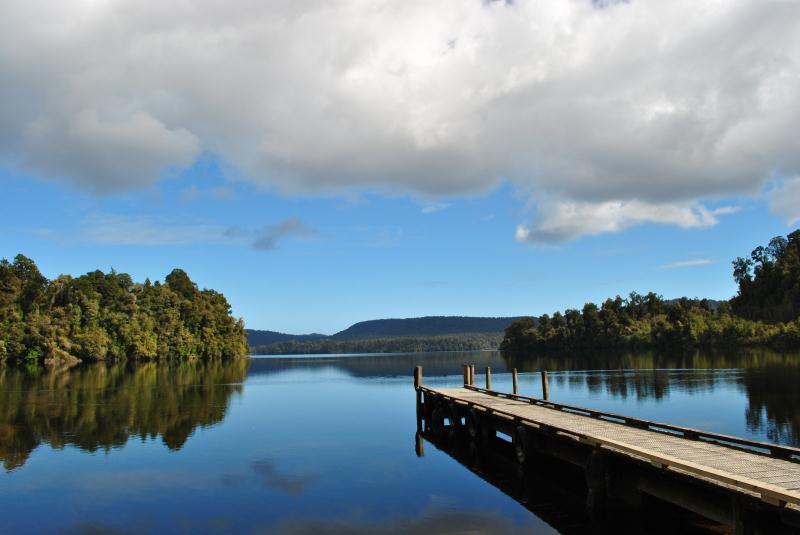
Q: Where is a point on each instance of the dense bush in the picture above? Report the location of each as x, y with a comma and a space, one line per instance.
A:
764, 312
106, 315
409, 344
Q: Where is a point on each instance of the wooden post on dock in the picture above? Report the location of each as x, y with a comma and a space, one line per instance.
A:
417, 384
466, 373
472, 374
488, 378
545, 386
515, 380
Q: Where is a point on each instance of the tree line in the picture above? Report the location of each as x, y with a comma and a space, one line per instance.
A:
405, 344
101, 316
765, 311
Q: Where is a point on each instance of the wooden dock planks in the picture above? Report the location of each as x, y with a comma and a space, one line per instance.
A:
774, 479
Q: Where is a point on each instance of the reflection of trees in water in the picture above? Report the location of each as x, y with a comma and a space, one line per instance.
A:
642, 375
771, 380
100, 406
773, 394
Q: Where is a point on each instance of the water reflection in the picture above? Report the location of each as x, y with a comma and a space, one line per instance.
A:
101, 406
309, 444
773, 393
770, 381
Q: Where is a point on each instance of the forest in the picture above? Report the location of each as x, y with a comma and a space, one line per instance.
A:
400, 344
104, 316
764, 312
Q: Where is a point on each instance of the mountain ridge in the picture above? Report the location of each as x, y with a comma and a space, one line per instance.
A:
392, 328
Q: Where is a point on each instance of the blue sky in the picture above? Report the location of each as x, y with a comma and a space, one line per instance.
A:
363, 255
330, 161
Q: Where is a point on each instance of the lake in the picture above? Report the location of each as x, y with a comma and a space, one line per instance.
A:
325, 444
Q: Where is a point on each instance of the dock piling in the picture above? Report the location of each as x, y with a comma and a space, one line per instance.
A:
515, 380
488, 378
545, 386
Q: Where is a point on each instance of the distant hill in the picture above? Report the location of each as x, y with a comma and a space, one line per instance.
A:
425, 326
408, 334
263, 338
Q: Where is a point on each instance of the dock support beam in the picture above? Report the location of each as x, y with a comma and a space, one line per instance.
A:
417, 384
488, 378
515, 380
596, 482
545, 386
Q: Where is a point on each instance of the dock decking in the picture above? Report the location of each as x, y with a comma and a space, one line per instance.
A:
775, 480
739, 468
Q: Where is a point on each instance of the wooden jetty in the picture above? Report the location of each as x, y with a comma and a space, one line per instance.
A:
751, 485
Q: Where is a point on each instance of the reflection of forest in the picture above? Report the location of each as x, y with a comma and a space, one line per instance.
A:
100, 406
771, 380
773, 392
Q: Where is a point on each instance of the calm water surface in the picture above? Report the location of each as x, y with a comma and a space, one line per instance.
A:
320, 444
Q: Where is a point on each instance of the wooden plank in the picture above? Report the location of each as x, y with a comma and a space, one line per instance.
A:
776, 450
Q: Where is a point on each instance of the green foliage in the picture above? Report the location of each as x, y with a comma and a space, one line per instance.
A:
406, 344
640, 322
769, 281
107, 316
766, 311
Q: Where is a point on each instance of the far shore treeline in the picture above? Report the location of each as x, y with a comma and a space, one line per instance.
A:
101, 316
765, 312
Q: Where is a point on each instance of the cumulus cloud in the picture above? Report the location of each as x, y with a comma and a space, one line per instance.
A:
561, 221
646, 102
784, 200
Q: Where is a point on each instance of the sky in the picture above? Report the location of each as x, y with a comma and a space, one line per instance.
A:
327, 162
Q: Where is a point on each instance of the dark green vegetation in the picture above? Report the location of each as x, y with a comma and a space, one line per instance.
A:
262, 338
766, 311
400, 344
429, 333
107, 316
99, 406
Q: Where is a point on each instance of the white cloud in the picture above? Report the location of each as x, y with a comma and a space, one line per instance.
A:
686, 263
559, 221
152, 231
784, 200
660, 104
726, 210
436, 207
